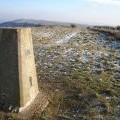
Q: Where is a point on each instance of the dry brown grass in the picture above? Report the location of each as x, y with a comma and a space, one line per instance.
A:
114, 34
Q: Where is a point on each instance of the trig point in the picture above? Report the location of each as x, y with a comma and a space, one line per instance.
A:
18, 79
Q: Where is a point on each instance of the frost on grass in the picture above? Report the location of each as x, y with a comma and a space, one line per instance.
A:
79, 70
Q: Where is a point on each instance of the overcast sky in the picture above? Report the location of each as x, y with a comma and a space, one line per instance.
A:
105, 12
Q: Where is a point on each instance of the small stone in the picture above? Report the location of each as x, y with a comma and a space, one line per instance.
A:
16, 110
10, 108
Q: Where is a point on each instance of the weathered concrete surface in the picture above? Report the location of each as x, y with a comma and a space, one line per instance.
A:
18, 80
9, 75
27, 71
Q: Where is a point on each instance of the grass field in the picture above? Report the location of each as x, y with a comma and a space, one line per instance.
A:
78, 70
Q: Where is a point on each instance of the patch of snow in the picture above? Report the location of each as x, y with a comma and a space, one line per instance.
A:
66, 38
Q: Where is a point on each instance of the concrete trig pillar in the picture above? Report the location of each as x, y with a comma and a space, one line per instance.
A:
18, 79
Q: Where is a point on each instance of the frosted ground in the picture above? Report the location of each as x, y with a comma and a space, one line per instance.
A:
80, 72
